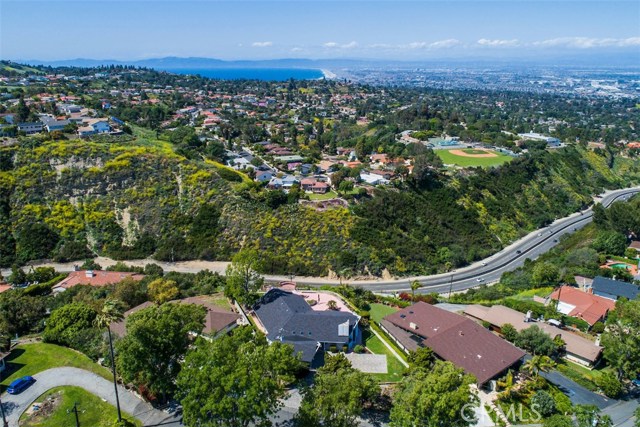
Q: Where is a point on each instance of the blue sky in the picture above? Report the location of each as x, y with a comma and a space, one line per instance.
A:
411, 30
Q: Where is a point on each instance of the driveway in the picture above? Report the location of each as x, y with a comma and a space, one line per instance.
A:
15, 405
578, 394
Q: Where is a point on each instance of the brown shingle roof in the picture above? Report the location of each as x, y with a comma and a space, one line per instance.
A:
498, 315
216, 319
457, 339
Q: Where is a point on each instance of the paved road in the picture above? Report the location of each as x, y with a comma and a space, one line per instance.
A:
15, 405
578, 394
488, 270
622, 412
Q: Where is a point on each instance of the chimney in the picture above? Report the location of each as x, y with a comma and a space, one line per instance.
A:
413, 326
89, 273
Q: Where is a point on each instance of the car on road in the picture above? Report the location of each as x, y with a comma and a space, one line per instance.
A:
479, 279
484, 264
20, 384
518, 251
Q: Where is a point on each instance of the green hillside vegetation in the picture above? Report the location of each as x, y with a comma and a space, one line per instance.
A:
67, 200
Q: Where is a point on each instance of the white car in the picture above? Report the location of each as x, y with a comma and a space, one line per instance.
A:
479, 279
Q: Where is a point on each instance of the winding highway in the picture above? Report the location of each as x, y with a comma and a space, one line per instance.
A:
490, 269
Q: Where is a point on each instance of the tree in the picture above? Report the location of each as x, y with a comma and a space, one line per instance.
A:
507, 385
535, 341
434, 398
636, 414
131, 292
538, 363
242, 279
337, 397
545, 274
422, 358
415, 285
111, 312
509, 332
544, 402
610, 385
235, 380
157, 339
589, 416
161, 291
22, 313
610, 242
67, 321
558, 421
621, 340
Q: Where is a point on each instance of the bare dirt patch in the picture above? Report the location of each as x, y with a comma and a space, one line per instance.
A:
463, 154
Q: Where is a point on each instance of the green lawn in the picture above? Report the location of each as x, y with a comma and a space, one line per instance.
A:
326, 196
452, 159
220, 300
29, 359
378, 311
583, 376
92, 411
529, 294
395, 369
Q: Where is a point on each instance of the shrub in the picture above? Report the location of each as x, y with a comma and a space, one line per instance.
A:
610, 385
558, 421
358, 349
598, 328
333, 348
546, 405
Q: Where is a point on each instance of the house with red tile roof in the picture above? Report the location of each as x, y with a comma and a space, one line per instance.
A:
95, 278
588, 307
454, 338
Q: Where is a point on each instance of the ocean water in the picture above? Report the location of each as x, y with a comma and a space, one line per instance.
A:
269, 74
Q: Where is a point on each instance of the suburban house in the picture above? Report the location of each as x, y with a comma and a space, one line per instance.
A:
94, 278
636, 246
287, 317
53, 125
577, 348
373, 179
586, 306
217, 321
454, 338
614, 289
94, 126
263, 176
284, 183
31, 127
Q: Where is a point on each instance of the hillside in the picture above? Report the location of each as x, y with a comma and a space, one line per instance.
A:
130, 201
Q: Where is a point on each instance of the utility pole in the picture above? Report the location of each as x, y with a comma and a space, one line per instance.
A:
450, 286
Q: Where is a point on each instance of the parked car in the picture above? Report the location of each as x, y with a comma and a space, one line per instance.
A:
20, 384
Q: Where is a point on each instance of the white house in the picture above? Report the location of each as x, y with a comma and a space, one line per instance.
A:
373, 179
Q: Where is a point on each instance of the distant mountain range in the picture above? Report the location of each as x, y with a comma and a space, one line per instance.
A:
599, 60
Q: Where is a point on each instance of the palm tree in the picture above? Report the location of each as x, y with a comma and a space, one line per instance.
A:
415, 285
538, 363
507, 385
111, 312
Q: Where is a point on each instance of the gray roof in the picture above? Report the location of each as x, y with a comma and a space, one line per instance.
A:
288, 318
615, 287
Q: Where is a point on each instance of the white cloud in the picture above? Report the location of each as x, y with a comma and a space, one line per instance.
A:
333, 45
588, 42
262, 44
443, 44
297, 49
498, 43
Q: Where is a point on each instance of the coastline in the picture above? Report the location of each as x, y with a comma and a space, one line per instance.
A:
328, 74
